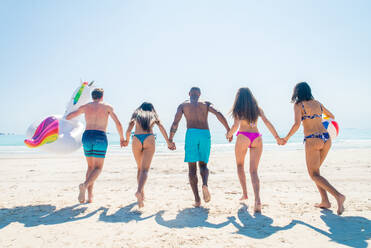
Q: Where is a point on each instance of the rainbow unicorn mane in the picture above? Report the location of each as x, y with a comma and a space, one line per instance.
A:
79, 92
46, 132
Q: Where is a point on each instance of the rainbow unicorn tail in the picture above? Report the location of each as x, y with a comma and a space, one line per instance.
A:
46, 132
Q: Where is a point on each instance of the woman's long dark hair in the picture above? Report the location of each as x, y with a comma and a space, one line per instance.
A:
302, 92
245, 106
145, 115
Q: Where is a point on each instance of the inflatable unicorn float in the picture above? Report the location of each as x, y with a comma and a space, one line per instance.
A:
56, 134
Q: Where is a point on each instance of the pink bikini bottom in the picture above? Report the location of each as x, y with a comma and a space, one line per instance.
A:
250, 136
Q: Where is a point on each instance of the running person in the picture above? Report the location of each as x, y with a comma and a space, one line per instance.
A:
94, 138
246, 112
317, 141
197, 140
143, 145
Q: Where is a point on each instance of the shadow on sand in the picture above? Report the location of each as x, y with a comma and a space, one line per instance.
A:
258, 226
125, 214
189, 217
352, 231
42, 215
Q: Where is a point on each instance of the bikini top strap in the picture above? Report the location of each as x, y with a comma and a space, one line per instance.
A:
302, 105
321, 107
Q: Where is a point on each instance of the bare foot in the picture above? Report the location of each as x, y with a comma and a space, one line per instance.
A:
197, 204
139, 196
244, 197
323, 205
206, 193
340, 201
82, 189
258, 207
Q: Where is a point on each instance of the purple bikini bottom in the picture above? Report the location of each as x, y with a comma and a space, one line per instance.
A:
250, 136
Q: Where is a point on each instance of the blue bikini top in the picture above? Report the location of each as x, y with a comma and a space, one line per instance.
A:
305, 116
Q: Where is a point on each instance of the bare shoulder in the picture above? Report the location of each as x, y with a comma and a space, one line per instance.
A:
298, 105
107, 106
207, 103
261, 112
186, 102
85, 105
183, 104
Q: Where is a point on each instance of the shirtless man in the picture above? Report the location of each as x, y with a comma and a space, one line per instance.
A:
197, 143
94, 139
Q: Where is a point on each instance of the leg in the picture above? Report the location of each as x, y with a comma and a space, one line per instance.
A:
325, 203
192, 174
97, 169
255, 154
148, 152
241, 146
204, 172
313, 159
138, 155
90, 163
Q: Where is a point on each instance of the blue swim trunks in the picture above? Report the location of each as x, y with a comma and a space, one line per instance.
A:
197, 145
95, 143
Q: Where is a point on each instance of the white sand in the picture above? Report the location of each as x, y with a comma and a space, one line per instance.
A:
39, 207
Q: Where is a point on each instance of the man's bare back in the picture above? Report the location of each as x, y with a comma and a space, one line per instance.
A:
96, 115
196, 114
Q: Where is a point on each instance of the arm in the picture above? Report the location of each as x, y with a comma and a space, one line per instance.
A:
170, 144
177, 118
128, 131
114, 117
76, 113
236, 124
327, 112
219, 115
297, 122
269, 125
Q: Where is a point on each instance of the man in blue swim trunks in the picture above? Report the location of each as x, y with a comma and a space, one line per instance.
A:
94, 139
198, 140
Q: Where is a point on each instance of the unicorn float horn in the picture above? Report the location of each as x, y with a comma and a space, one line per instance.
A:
79, 97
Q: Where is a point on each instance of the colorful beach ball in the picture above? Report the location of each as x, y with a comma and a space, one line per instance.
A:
331, 126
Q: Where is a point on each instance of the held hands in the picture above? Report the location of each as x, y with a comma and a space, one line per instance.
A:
281, 141
229, 136
171, 145
123, 142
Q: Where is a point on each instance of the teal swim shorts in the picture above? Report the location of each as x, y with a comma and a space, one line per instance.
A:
197, 145
95, 143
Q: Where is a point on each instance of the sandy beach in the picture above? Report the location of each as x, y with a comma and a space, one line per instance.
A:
39, 207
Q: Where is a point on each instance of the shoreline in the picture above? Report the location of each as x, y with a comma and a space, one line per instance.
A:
162, 150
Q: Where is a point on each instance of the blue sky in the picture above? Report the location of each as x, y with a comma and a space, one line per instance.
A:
157, 50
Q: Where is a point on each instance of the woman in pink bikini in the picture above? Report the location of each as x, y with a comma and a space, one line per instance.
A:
245, 112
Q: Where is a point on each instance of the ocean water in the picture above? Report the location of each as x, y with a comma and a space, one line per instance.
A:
349, 138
